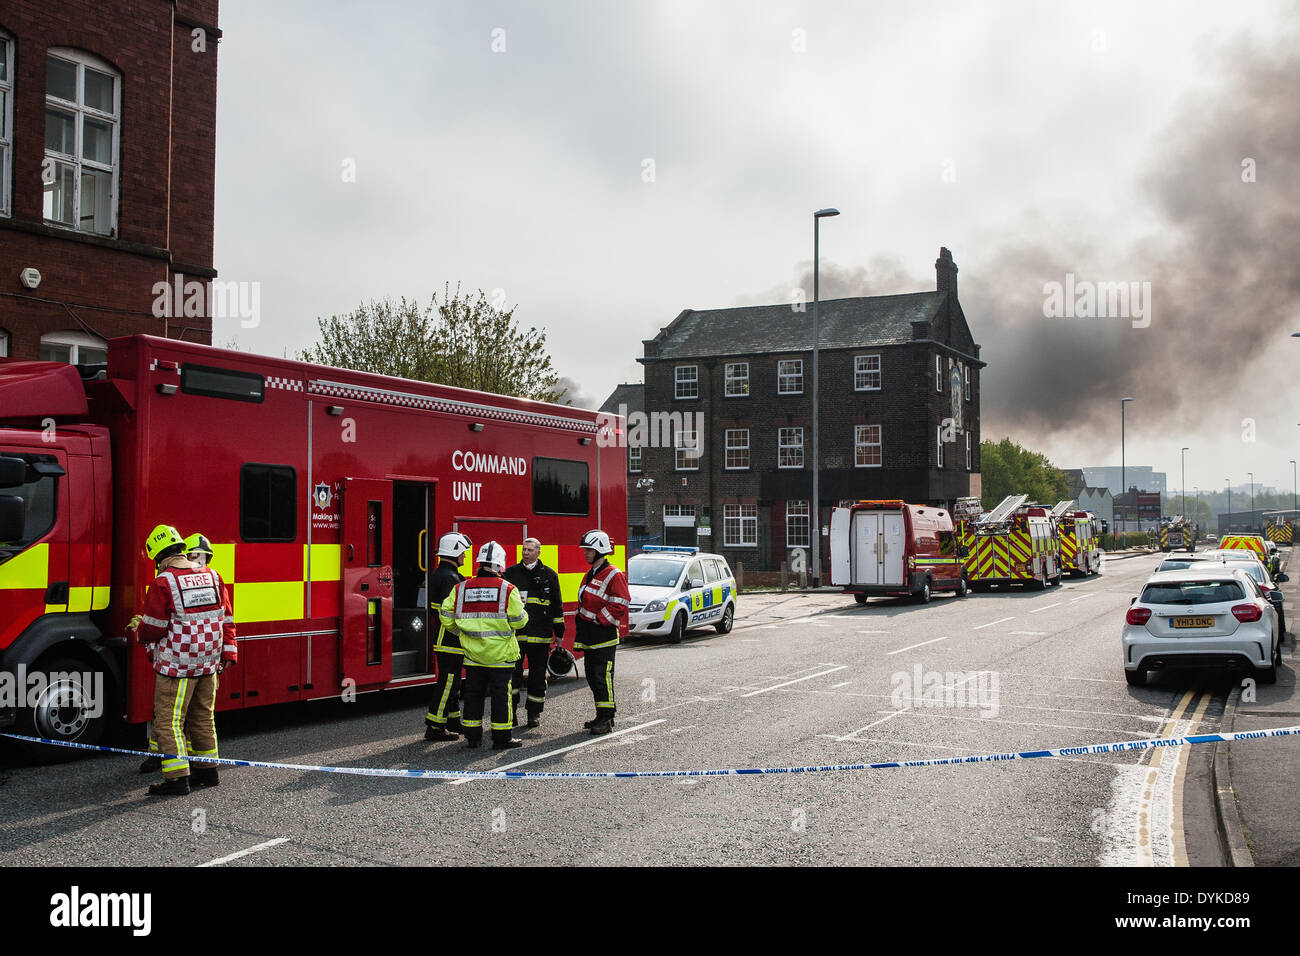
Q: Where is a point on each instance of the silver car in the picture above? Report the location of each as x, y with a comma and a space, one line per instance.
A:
1210, 616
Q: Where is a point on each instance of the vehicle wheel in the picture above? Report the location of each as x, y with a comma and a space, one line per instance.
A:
1267, 675
1277, 654
860, 598
1042, 581
1137, 678
923, 596
64, 712
1281, 627
728, 618
962, 589
1056, 581
679, 628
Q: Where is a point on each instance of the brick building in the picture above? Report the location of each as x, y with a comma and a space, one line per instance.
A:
107, 167
899, 417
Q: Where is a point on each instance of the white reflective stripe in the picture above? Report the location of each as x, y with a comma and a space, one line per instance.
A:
175, 591
217, 615
460, 599
478, 615
505, 598
615, 599
152, 621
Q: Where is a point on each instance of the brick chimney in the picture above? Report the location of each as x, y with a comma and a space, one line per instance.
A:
946, 272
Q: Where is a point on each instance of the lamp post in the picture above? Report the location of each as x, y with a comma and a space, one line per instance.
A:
1228, 481
1252, 495
1123, 490
1183, 456
818, 216
1293, 489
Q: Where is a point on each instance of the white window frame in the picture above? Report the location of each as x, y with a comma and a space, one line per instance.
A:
685, 449
680, 380
4, 343
7, 128
782, 375
968, 451
729, 448
81, 112
75, 341
741, 381
938, 444
782, 446
679, 511
966, 372
938, 374
634, 459
862, 372
862, 442
745, 519
798, 511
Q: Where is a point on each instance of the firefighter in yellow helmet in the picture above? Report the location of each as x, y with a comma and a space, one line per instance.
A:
188, 621
486, 611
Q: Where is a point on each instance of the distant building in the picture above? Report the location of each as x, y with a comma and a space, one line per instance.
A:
629, 400
1099, 501
1141, 477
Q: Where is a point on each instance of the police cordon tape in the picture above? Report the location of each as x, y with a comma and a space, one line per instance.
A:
1127, 746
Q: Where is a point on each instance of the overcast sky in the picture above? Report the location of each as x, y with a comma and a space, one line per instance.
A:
1033, 139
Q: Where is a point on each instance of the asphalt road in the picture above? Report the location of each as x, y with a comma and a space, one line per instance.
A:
803, 679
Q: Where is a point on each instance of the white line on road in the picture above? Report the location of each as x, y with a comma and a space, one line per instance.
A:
1030, 633
1002, 620
1045, 607
922, 644
252, 849
795, 681
552, 753
1081, 597
845, 684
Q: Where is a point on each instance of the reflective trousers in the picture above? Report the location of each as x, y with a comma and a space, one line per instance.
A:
599, 665
183, 723
536, 655
479, 683
444, 708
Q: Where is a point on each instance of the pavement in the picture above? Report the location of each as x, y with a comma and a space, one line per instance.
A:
1258, 802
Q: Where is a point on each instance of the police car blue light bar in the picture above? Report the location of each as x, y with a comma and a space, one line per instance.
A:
665, 547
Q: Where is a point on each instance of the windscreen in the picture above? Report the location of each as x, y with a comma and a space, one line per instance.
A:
1193, 592
654, 572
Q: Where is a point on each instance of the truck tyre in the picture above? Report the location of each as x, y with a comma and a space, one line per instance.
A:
679, 628
860, 598
728, 618
962, 589
63, 710
923, 596
1137, 678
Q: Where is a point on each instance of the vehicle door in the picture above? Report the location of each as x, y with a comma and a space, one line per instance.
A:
894, 545
366, 645
698, 596
867, 551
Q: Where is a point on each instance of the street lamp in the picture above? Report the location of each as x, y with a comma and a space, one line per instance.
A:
1183, 457
1123, 489
1252, 496
1293, 490
818, 216
1228, 481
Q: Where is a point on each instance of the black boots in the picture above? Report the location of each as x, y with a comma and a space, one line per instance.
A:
176, 787
533, 721
602, 727
438, 733
204, 777
600, 720
506, 744
151, 764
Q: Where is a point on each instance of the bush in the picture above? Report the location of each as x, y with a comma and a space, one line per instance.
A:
1121, 541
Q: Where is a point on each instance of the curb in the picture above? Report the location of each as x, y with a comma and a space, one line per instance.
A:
1231, 829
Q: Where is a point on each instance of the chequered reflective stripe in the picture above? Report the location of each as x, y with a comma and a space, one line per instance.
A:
428, 403
285, 384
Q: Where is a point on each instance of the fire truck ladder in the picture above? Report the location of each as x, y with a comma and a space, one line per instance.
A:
1062, 507
1004, 510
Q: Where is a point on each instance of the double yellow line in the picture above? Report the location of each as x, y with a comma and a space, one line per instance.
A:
1178, 714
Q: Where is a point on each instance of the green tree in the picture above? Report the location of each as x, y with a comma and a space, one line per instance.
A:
462, 340
1009, 469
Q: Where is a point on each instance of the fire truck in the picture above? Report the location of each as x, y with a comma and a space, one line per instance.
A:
1280, 531
1177, 533
320, 489
1015, 543
1076, 533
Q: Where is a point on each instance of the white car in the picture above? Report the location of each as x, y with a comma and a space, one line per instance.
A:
674, 589
1209, 616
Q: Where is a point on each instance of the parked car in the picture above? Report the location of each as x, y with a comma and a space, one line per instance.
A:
1248, 561
675, 589
1210, 616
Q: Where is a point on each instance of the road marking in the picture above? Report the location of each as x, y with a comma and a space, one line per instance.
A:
551, 753
1045, 607
795, 681
1147, 809
252, 849
1176, 824
1081, 597
871, 632
845, 684
1030, 633
991, 623
922, 644
905, 710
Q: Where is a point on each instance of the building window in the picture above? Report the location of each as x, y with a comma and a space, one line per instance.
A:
679, 526
688, 382
789, 448
680, 511
81, 142
789, 377
966, 373
866, 373
4, 344
6, 123
737, 449
938, 443
687, 449
867, 446
737, 379
938, 373
796, 524
75, 348
634, 459
740, 526
968, 453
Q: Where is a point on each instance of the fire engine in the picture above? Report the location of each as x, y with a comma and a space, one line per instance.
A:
889, 547
1280, 531
1077, 538
320, 490
1015, 543
1177, 533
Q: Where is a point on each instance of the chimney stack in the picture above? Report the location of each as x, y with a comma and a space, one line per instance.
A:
946, 272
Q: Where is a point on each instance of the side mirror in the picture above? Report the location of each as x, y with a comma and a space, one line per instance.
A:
13, 517
697, 582
963, 551
13, 473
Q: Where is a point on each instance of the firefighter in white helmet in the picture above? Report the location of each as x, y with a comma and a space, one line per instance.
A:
486, 611
603, 602
442, 719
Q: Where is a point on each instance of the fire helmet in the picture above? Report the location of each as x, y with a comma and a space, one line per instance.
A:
164, 542
198, 544
598, 541
560, 663
492, 555
453, 545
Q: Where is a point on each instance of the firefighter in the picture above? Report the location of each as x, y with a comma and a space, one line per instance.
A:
486, 611
199, 550
442, 719
188, 620
602, 606
540, 588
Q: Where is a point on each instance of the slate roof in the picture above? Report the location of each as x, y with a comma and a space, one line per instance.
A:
859, 322
632, 395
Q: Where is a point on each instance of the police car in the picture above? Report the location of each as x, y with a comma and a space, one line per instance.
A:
674, 589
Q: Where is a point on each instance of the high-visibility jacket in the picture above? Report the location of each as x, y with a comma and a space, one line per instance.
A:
603, 601
444, 578
485, 612
540, 588
188, 620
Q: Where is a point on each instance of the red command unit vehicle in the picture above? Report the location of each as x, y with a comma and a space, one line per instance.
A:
323, 492
1015, 543
892, 548
1076, 534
